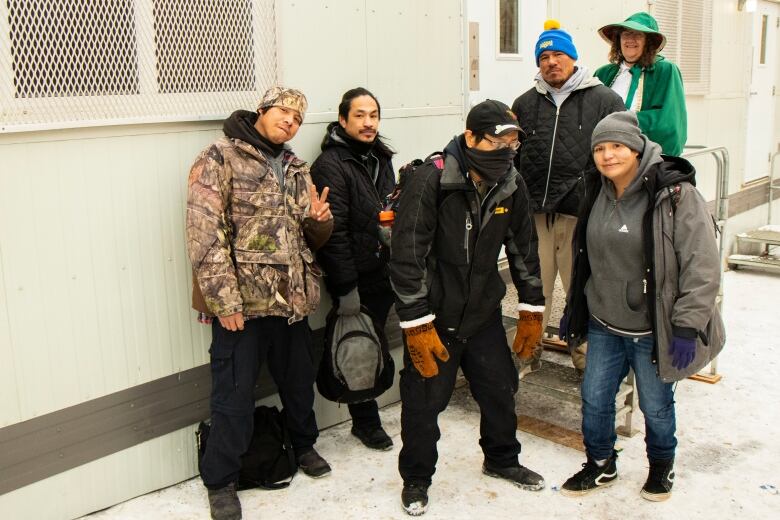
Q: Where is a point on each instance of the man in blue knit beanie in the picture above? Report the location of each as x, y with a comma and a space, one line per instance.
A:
555, 39
558, 115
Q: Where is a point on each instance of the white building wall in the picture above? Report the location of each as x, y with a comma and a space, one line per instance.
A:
94, 277
501, 77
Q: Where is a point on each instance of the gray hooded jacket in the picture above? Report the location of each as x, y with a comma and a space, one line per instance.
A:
681, 262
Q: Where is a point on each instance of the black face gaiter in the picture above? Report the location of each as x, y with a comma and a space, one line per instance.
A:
492, 165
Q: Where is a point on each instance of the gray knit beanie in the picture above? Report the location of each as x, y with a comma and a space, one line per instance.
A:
619, 127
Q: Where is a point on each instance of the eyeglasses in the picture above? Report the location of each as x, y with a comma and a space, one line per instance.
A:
500, 145
632, 35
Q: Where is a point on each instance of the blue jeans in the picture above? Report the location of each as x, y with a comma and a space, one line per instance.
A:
608, 360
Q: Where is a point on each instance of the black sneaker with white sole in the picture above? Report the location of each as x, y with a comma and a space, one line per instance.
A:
414, 498
591, 477
660, 480
518, 475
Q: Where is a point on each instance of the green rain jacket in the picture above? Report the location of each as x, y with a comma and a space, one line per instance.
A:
662, 116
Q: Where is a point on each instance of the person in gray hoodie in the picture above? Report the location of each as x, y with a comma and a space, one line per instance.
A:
645, 279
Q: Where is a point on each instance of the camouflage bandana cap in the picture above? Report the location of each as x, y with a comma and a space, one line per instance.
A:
284, 97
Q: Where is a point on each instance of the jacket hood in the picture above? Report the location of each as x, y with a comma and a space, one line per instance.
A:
331, 138
674, 170
241, 125
588, 80
454, 149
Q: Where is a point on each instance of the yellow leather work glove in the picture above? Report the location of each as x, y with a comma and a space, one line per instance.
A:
423, 343
528, 335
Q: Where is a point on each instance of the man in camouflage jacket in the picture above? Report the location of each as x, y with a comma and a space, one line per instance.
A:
253, 217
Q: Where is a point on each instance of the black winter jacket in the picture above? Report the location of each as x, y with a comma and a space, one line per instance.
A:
556, 155
445, 246
353, 256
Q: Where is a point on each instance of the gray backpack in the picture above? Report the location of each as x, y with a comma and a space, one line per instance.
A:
356, 365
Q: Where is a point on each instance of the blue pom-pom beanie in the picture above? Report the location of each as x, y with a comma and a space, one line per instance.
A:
554, 39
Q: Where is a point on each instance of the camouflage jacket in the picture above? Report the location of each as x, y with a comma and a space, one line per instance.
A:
245, 236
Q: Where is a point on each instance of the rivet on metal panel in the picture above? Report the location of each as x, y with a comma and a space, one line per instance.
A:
62, 455
132, 405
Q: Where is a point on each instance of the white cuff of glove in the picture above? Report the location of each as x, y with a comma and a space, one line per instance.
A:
419, 321
530, 308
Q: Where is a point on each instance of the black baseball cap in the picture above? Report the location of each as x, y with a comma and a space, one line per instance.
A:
492, 117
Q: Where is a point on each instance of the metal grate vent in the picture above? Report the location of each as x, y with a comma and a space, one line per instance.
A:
217, 39
72, 48
71, 63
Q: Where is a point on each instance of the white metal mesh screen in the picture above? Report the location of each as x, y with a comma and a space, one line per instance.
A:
69, 63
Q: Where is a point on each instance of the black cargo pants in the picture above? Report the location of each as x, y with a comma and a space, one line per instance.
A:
236, 358
487, 364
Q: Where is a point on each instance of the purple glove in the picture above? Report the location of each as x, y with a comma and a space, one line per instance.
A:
683, 350
563, 327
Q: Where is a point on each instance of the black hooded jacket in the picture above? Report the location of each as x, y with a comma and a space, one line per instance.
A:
446, 244
358, 186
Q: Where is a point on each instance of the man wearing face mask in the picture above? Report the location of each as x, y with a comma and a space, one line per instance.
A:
456, 212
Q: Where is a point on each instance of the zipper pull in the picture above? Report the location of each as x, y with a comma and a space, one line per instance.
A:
644, 285
468, 222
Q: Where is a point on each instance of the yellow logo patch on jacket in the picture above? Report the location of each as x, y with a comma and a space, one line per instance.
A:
500, 210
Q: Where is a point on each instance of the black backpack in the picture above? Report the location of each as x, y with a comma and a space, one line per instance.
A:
356, 364
269, 459
408, 170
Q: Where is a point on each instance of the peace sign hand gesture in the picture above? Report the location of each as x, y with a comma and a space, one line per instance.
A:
319, 210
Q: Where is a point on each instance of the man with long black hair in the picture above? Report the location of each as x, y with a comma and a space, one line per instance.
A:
356, 165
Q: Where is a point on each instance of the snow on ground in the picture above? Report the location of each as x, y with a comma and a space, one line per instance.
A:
728, 456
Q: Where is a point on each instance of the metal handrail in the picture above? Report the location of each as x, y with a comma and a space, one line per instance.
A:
771, 188
721, 156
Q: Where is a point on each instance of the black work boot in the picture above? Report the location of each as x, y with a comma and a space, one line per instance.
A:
414, 498
591, 477
660, 480
518, 475
224, 503
313, 465
374, 438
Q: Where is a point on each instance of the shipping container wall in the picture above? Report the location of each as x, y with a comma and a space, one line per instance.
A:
94, 277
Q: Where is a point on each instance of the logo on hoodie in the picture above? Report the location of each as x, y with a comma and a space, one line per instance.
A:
623, 229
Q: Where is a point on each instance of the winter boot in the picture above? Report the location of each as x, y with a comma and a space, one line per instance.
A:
518, 475
591, 477
374, 438
313, 464
224, 503
660, 480
414, 498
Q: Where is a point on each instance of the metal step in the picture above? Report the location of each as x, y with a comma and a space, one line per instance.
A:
764, 262
769, 235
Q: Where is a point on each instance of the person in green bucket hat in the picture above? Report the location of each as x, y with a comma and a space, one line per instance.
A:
649, 84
